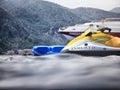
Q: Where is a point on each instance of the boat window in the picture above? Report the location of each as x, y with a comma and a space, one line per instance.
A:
73, 29
63, 28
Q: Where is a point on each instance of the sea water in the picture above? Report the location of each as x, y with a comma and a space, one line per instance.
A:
59, 71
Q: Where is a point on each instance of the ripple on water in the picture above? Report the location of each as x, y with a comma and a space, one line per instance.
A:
59, 71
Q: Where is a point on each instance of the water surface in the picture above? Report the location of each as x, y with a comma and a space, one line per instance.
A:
60, 71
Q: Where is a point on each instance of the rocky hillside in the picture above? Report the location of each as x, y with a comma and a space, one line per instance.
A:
116, 10
90, 14
25, 23
12, 35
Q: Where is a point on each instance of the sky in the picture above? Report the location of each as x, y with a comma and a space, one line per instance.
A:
100, 4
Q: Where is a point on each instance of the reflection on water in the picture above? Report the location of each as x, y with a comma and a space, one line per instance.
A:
60, 71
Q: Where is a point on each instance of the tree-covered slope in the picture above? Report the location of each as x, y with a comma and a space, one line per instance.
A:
94, 14
12, 35
25, 23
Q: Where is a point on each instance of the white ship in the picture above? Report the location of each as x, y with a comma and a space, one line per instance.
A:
112, 23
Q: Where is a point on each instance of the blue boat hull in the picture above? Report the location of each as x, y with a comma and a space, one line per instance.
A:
46, 50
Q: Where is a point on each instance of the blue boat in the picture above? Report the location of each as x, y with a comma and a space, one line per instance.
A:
46, 50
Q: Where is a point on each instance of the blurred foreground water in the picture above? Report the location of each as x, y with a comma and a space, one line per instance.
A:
60, 71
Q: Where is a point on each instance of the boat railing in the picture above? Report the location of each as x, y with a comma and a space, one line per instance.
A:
112, 19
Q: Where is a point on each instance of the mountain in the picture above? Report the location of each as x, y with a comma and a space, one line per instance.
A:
90, 14
116, 10
11, 33
25, 23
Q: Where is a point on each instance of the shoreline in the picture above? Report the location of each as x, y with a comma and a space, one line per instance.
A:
18, 52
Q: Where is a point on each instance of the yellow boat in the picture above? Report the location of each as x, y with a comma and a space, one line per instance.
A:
94, 44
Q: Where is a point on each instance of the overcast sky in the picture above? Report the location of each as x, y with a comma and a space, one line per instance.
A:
101, 4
